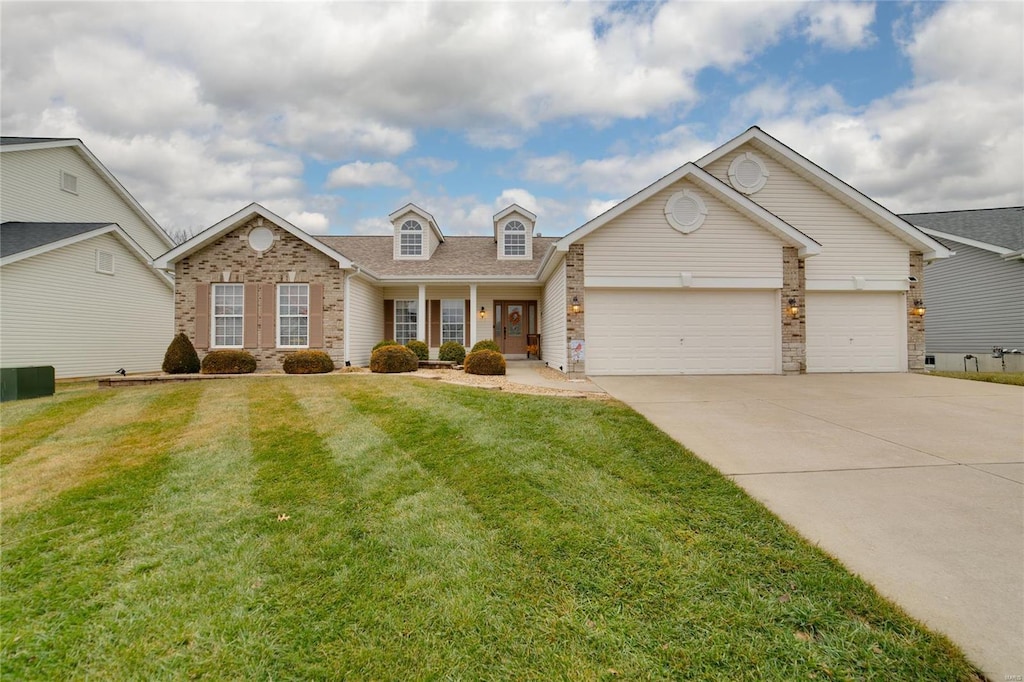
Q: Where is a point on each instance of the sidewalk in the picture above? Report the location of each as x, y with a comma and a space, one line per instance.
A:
528, 372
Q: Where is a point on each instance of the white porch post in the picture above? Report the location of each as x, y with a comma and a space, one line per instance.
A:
472, 316
421, 314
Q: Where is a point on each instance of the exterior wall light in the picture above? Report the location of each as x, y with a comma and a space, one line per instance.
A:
483, 313
576, 304
793, 309
919, 308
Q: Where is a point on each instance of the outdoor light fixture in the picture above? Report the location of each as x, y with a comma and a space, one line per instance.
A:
919, 308
793, 308
483, 313
576, 304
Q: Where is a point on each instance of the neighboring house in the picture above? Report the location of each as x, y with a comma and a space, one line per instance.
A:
77, 287
976, 299
751, 260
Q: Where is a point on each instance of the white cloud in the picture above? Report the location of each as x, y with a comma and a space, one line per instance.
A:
433, 165
841, 25
596, 207
372, 226
313, 223
362, 174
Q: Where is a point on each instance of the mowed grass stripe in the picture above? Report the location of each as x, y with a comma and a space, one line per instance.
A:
30, 422
725, 586
61, 559
185, 603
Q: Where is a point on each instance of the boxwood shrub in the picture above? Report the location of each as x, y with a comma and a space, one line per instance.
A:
485, 362
308, 362
486, 344
452, 351
228, 362
386, 342
419, 348
181, 356
392, 359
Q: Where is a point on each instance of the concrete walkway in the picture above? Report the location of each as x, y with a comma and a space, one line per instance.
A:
914, 482
528, 372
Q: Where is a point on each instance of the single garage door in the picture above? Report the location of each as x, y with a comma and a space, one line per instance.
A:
856, 332
682, 332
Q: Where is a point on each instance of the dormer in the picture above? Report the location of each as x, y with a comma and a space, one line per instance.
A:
416, 233
513, 233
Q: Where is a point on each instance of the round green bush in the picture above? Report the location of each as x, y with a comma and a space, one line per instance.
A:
452, 351
488, 362
392, 359
486, 344
386, 342
181, 356
228, 362
308, 362
419, 348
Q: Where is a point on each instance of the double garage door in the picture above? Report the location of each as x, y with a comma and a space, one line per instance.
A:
739, 332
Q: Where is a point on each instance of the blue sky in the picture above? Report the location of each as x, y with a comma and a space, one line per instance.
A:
334, 115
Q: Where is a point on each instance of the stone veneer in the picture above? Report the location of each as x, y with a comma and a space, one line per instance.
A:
231, 253
794, 328
915, 323
574, 322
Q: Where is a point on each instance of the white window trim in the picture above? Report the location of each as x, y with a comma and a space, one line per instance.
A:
461, 305
734, 173
414, 308
506, 233
277, 295
686, 195
214, 315
407, 229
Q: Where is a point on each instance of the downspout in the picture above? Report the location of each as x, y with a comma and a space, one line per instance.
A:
347, 312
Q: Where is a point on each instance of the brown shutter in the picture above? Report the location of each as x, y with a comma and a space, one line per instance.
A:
435, 323
202, 339
469, 321
250, 315
316, 315
268, 316
389, 320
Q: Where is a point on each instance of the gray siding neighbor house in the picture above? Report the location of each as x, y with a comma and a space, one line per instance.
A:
975, 300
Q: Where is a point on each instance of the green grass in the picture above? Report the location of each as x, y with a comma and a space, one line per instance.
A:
373, 527
1012, 378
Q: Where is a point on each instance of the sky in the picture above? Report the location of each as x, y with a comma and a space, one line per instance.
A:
333, 115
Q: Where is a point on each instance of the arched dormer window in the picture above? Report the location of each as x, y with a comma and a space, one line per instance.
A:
411, 239
515, 238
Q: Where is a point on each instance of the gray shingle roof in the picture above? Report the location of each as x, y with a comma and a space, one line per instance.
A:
472, 256
999, 226
31, 140
16, 237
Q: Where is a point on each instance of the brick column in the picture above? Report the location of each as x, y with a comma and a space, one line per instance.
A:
915, 323
574, 328
794, 327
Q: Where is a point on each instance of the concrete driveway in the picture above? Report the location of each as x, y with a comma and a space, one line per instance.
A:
914, 482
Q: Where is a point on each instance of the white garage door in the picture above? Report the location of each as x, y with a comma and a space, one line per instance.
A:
856, 332
682, 332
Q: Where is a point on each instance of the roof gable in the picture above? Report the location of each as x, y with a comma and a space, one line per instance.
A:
413, 208
1002, 228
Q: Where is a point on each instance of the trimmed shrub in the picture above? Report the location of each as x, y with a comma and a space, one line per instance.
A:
181, 356
386, 342
486, 344
228, 362
488, 362
308, 362
419, 348
452, 351
392, 359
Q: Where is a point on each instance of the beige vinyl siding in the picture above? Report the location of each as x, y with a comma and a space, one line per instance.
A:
365, 321
553, 319
488, 294
528, 224
852, 245
430, 240
32, 193
57, 310
641, 243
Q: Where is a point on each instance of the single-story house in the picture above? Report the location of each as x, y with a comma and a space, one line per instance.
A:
975, 299
79, 291
750, 260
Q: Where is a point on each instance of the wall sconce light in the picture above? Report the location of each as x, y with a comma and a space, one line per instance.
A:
483, 313
793, 309
919, 308
576, 304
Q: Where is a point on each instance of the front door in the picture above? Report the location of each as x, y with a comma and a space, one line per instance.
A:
513, 320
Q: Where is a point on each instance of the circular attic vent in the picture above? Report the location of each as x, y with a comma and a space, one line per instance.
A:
261, 239
685, 211
747, 173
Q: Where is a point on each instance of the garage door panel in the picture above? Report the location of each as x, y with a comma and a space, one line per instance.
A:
855, 332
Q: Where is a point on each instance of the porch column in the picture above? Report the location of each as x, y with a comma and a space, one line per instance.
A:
421, 314
472, 316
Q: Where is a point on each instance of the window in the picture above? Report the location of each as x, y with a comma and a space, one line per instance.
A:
293, 315
515, 238
227, 315
453, 321
405, 321
69, 182
411, 239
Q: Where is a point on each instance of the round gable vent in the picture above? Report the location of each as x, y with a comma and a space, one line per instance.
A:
261, 239
685, 211
747, 173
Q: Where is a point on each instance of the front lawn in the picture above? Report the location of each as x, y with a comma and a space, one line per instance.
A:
1012, 378
371, 527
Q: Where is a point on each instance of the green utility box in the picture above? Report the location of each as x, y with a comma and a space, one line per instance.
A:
18, 383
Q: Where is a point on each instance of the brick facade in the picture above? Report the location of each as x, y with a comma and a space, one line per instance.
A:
288, 260
794, 327
915, 323
574, 322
